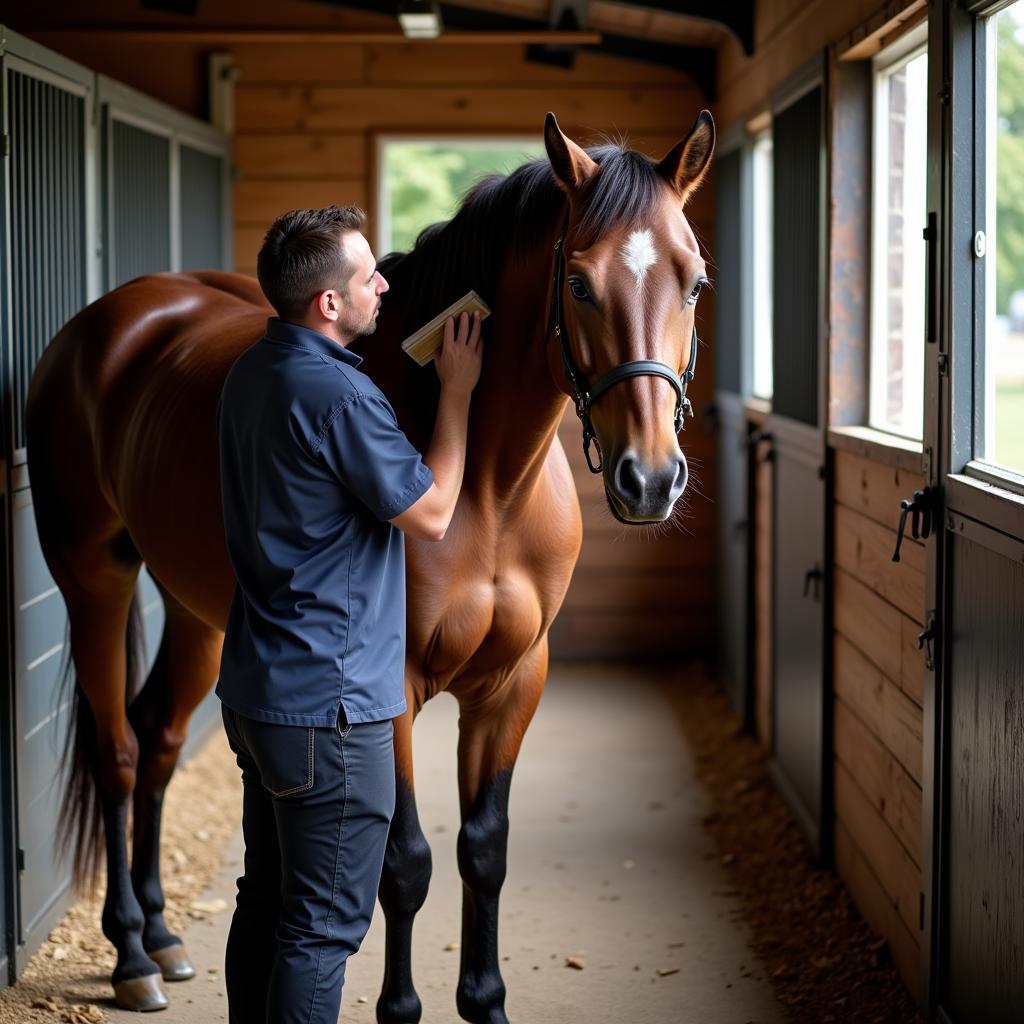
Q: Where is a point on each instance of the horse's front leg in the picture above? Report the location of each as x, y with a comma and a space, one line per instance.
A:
404, 881
490, 735
182, 674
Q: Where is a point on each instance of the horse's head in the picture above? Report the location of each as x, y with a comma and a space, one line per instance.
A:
627, 276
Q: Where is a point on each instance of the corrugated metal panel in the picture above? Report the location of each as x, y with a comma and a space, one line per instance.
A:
140, 203
728, 284
39, 634
796, 199
984, 886
202, 210
47, 223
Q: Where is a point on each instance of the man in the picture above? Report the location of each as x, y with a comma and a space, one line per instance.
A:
318, 486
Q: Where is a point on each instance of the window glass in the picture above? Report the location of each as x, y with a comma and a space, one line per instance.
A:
897, 244
1002, 439
422, 180
762, 283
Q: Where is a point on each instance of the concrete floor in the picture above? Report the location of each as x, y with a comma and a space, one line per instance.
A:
608, 862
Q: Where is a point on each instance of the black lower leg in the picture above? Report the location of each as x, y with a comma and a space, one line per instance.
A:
122, 919
146, 871
403, 888
482, 849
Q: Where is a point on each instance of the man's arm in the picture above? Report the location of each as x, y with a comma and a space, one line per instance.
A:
458, 366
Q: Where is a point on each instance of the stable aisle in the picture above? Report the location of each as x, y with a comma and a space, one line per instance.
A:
608, 865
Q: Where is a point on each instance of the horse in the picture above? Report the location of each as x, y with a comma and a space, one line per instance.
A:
593, 272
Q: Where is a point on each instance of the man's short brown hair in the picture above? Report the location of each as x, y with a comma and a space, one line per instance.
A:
301, 257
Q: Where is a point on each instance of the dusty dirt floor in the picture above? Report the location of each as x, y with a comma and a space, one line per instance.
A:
619, 906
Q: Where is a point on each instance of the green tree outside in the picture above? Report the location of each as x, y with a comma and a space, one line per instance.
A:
1009, 158
425, 181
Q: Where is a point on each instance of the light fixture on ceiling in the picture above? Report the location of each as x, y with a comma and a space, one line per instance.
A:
420, 19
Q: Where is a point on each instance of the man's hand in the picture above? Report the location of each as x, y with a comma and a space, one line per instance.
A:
459, 358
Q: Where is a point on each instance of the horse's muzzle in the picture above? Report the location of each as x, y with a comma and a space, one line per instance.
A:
640, 493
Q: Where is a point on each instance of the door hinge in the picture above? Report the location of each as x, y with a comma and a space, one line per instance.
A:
921, 507
5, 145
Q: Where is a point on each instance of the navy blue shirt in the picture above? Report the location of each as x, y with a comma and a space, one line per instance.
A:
312, 465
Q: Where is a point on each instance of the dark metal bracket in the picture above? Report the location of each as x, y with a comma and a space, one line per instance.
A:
920, 508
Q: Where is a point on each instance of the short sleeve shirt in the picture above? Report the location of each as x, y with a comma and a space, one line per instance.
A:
313, 464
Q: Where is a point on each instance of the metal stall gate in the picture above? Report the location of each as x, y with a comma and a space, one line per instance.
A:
797, 426
735, 590
51, 272
59, 204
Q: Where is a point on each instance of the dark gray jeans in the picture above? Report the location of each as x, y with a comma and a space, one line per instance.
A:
317, 805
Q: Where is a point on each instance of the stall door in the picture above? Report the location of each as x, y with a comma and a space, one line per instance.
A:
800, 589
974, 451
734, 591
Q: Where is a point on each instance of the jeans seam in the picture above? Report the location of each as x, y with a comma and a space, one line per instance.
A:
334, 886
308, 784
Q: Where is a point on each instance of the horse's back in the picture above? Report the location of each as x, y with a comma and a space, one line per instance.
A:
121, 413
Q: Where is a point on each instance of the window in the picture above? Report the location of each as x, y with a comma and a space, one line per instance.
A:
761, 154
422, 180
1002, 440
896, 391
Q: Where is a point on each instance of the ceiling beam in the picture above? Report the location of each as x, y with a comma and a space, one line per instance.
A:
736, 15
698, 62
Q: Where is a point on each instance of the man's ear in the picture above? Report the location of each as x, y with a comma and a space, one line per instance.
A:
684, 166
571, 165
328, 304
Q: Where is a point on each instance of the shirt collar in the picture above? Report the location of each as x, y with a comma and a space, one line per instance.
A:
304, 337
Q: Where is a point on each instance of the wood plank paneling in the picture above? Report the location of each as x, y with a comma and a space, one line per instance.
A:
879, 702
881, 632
259, 203
877, 908
323, 156
872, 488
329, 108
893, 794
864, 549
894, 868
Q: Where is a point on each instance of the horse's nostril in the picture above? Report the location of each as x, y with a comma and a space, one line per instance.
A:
682, 475
629, 479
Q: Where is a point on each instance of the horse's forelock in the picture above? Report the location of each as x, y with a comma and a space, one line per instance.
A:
515, 213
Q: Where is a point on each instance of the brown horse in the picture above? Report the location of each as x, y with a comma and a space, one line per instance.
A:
589, 264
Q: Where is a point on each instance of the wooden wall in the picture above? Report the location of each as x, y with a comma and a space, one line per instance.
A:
878, 675
878, 605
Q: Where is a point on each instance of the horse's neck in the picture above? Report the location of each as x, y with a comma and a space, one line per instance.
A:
516, 407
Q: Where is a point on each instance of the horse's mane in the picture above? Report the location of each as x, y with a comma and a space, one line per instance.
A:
509, 215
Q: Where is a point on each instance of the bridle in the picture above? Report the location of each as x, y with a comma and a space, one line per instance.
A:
584, 396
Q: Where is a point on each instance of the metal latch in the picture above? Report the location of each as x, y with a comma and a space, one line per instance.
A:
920, 508
925, 641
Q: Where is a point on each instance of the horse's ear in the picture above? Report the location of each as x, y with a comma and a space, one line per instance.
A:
685, 166
572, 167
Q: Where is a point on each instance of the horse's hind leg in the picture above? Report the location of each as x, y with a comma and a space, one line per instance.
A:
403, 887
490, 735
98, 590
184, 670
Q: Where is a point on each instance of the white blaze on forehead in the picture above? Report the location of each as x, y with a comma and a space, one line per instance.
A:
638, 254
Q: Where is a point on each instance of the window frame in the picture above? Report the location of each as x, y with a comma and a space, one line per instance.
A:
908, 47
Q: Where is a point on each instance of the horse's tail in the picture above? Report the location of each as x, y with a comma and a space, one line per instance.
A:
80, 821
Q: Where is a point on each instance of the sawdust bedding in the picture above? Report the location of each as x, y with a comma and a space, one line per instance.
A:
825, 963
67, 979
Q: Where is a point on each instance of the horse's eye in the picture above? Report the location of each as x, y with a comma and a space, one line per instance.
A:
578, 289
692, 298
